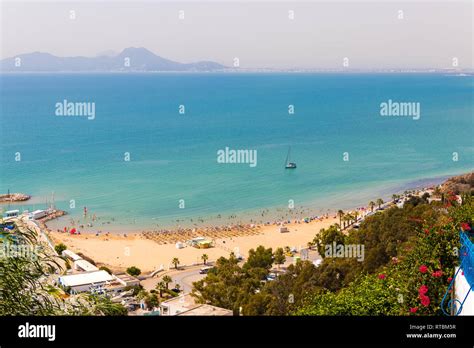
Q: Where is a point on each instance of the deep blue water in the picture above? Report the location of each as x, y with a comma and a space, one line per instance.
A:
173, 156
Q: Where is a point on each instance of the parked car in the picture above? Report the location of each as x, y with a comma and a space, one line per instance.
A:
204, 270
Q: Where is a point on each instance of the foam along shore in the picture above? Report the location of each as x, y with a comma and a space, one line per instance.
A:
13, 197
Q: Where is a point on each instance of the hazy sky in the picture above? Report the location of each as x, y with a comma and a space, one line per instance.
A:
260, 34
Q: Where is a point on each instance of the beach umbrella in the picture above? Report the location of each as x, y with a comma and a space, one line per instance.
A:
73, 231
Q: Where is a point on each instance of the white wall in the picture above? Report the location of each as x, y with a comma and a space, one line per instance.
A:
461, 289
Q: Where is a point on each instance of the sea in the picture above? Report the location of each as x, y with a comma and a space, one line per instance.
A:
148, 156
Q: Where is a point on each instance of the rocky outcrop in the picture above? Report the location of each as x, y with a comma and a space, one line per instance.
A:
14, 197
459, 184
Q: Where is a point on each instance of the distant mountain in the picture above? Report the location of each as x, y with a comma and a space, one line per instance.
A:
130, 59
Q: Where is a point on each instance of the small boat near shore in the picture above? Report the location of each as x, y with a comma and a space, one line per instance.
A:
288, 163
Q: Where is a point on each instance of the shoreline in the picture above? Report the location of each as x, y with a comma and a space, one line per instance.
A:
256, 216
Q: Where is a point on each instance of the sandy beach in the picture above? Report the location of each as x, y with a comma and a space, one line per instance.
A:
119, 252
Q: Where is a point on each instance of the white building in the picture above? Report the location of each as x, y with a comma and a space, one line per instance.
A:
81, 282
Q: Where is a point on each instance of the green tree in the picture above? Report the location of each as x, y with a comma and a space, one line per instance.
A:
161, 286
60, 248
104, 268
326, 237
224, 285
259, 258
279, 257
204, 258
152, 301
167, 279
134, 271
371, 205
340, 214
175, 262
379, 202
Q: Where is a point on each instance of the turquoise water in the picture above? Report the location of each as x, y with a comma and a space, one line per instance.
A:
174, 156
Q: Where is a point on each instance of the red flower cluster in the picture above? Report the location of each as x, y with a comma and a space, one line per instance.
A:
382, 276
465, 226
425, 300
423, 290
413, 309
423, 269
437, 273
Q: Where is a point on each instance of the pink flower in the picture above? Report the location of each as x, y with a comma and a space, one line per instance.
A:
382, 276
450, 279
437, 273
423, 269
425, 300
423, 290
413, 309
465, 226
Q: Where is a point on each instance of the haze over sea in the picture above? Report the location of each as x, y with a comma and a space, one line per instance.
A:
174, 156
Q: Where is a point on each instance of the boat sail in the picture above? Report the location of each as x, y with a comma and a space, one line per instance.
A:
288, 163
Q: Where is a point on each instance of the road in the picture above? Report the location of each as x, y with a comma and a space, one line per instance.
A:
184, 278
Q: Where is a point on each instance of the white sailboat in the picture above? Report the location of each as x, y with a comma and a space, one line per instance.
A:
288, 163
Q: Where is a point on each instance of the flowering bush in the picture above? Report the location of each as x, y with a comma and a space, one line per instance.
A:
413, 285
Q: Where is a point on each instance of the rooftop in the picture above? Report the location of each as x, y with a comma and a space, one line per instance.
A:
85, 278
207, 310
184, 300
85, 265
73, 256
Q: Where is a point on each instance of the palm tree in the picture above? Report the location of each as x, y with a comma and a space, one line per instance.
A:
346, 219
28, 291
379, 202
177, 286
161, 286
356, 215
167, 279
340, 213
371, 205
175, 262
204, 258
